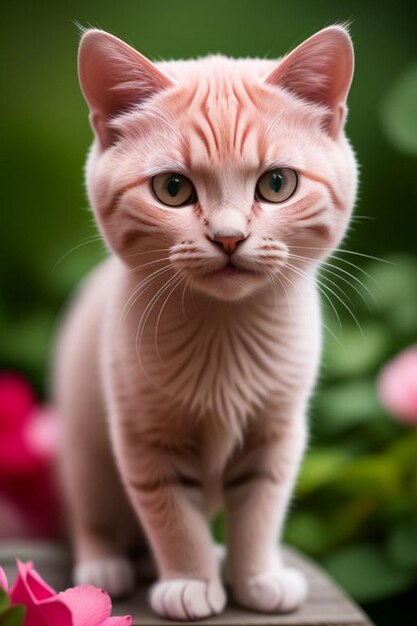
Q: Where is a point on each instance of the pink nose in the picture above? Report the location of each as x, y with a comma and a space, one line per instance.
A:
229, 243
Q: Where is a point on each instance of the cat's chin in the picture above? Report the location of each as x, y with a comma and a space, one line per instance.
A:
230, 286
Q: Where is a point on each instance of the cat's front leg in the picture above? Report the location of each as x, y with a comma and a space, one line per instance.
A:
170, 506
258, 487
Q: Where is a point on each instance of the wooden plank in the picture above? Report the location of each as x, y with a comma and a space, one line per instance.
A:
327, 605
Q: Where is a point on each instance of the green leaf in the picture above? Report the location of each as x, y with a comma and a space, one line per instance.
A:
320, 468
402, 544
26, 341
308, 532
398, 112
13, 616
397, 283
4, 600
366, 573
357, 353
343, 406
378, 477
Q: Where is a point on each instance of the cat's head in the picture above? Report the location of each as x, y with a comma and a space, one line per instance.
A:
229, 169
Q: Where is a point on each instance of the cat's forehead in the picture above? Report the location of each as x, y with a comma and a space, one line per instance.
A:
220, 113
223, 110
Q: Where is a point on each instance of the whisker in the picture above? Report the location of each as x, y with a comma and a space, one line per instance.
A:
183, 296
357, 267
179, 281
316, 282
138, 267
275, 276
360, 254
340, 269
148, 252
138, 291
146, 313
84, 242
309, 279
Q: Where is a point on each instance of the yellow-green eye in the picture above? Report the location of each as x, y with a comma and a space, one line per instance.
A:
173, 189
276, 185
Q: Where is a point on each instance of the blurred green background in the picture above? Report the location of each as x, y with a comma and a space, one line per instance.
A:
356, 504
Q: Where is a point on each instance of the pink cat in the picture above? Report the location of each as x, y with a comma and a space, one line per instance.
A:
188, 358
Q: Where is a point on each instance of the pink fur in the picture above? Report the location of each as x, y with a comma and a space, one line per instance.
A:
184, 385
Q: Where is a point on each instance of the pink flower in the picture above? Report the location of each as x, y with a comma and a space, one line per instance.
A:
83, 605
397, 386
4, 585
29, 503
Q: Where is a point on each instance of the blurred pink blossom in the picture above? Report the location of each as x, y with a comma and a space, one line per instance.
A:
4, 585
83, 605
397, 386
28, 443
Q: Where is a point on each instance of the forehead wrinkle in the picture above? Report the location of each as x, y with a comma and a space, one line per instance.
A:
219, 118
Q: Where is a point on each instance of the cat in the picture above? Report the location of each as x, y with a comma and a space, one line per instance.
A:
185, 365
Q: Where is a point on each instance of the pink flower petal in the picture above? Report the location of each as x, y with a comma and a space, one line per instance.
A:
40, 589
42, 432
16, 401
3, 580
397, 385
22, 594
88, 605
54, 612
29, 588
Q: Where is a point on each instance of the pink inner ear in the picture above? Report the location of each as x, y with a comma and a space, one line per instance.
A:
114, 77
319, 70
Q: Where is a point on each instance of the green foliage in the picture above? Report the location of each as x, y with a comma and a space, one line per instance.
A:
356, 504
4, 601
402, 544
366, 573
399, 111
10, 616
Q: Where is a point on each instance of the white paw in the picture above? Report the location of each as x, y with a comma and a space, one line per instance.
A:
280, 591
187, 599
113, 574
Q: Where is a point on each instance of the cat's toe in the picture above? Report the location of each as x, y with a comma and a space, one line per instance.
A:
187, 599
113, 574
280, 591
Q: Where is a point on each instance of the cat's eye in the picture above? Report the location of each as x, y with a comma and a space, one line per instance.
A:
276, 185
173, 189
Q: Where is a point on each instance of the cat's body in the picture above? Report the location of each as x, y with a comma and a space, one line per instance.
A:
185, 367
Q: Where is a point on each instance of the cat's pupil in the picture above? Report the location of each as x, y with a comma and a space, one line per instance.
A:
174, 186
276, 181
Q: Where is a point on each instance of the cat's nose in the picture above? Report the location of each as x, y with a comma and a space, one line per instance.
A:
229, 242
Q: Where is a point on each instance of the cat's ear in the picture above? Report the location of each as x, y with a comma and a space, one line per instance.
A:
114, 77
320, 70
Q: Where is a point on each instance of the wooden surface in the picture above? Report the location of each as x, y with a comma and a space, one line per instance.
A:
327, 605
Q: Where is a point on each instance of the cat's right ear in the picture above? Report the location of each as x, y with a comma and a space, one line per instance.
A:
320, 71
114, 77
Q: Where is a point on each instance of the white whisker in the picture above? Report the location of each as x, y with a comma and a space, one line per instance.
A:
179, 281
146, 313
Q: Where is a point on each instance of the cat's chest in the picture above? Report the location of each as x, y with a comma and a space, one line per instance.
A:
224, 363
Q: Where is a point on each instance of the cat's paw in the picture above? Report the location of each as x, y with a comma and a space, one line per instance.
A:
280, 591
113, 574
187, 599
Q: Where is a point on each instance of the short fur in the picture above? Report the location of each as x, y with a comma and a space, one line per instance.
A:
184, 386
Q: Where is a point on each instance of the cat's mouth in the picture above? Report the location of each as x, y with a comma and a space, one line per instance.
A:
230, 269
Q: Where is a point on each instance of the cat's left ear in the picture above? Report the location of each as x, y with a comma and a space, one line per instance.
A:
320, 70
114, 77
